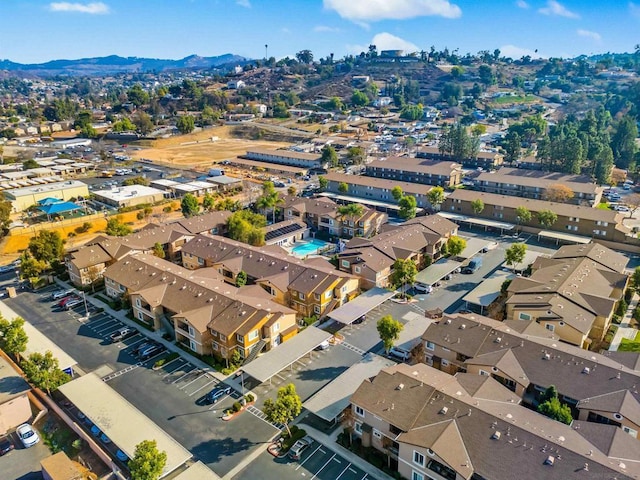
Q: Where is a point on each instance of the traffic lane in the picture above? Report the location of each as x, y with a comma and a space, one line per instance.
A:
219, 444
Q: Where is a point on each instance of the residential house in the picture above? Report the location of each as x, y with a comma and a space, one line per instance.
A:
574, 293
430, 425
207, 315
310, 287
415, 170
286, 232
572, 219
534, 184
15, 407
285, 157
485, 160
527, 359
372, 259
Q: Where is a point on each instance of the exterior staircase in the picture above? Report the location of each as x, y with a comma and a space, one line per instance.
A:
257, 348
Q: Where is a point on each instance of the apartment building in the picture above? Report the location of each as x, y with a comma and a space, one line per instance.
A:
321, 214
445, 173
534, 184
573, 294
420, 240
376, 189
572, 219
430, 425
311, 287
485, 160
527, 359
207, 315
286, 157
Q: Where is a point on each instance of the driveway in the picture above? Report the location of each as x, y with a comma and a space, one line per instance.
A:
23, 463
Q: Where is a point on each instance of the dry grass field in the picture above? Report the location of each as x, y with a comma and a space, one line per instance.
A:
198, 149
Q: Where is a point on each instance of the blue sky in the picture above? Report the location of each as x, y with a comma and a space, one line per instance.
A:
38, 30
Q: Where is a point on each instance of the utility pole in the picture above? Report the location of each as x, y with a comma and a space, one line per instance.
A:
266, 50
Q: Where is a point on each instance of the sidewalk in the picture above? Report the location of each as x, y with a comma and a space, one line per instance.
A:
625, 330
154, 335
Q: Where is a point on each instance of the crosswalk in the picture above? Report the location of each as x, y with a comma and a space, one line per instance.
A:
353, 348
261, 415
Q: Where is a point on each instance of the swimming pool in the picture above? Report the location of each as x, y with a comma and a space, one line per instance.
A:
302, 249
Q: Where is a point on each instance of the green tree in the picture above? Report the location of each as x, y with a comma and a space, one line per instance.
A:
435, 196
547, 218
88, 132
456, 245
286, 407
552, 408
397, 193
623, 142
359, 98
29, 164
635, 280
343, 188
143, 122
246, 226
137, 95
512, 147
185, 124
117, 228
44, 371
404, 273
487, 77
30, 267
477, 206
457, 71
389, 330
13, 338
124, 125
158, 250
208, 202
329, 156
189, 205
147, 462
47, 246
292, 190
138, 180
356, 155
408, 207
523, 215
280, 110
514, 255
323, 183
241, 278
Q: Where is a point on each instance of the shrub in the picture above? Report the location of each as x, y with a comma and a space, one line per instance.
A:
249, 397
237, 406
167, 209
84, 228
160, 362
621, 309
140, 215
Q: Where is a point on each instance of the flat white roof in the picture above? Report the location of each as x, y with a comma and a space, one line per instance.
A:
474, 245
37, 341
165, 182
224, 180
361, 305
364, 201
488, 290
267, 365
197, 471
186, 187
436, 271
123, 423
331, 400
49, 188
128, 192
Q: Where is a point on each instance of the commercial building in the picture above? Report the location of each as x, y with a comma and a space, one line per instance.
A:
415, 170
286, 157
23, 198
129, 196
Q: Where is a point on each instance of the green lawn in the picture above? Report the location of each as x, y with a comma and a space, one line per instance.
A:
604, 206
514, 99
627, 345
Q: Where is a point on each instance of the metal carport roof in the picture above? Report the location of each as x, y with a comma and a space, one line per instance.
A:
436, 271
361, 305
331, 400
564, 237
474, 245
269, 364
483, 222
488, 290
123, 423
197, 471
38, 342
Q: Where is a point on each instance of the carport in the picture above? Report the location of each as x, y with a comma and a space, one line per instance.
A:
329, 402
564, 237
487, 291
197, 471
124, 424
285, 355
436, 271
39, 343
474, 246
361, 305
481, 222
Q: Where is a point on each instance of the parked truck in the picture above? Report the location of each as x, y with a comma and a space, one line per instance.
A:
474, 264
216, 172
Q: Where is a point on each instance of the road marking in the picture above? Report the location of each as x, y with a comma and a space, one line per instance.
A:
194, 380
260, 414
195, 391
328, 461
336, 460
353, 348
365, 476
314, 452
219, 400
113, 375
187, 373
348, 467
352, 470
182, 364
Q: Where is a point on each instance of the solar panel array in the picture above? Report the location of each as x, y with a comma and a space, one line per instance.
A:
284, 230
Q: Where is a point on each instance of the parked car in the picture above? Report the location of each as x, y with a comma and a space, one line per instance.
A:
150, 351
6, 445
140, 347
60, 294
122, 334
399, 353
299, 447
323, 346
62, 303
7, 269
423, 288
72, 303
95, 431
27, 435
621, 208
106, 440
218, 393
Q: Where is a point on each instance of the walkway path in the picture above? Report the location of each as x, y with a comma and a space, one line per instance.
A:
625, 330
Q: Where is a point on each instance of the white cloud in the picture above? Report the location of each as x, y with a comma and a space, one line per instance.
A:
94, 8
325, 28
516, 53
285, 30
374, 10
555, 8
634, 9
244, 3
387, 41
589, 34
522, 4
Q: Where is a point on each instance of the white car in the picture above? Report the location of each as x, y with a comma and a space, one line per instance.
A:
28, 436
621, 208
422, 288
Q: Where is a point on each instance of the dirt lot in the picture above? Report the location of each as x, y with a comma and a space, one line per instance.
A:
198, 149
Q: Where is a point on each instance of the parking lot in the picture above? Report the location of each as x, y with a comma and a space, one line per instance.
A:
23, 463
317, 462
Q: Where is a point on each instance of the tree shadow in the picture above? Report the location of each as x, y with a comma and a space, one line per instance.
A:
85, 331
215, 450
459, 287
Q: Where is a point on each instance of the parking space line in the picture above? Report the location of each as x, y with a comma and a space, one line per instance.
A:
342, 473
216, 404
195, 391
365, 476
187, 373
137, 342
314, 452
109, 330
194, 380
182, 364
327, 463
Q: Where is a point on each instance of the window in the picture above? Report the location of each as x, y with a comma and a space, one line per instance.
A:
357, 427
630, 431
483, 373
431, 346
549, 327
223, 338
418, 458
253, 335
140, 316
301, 295
524, 316
316, 296
359, 411
138, 304
357, 269
316, 309
192, 331
377, 434
345, 263
416, 476
276, 327
328, 294
215, 346
445, 363
240, 338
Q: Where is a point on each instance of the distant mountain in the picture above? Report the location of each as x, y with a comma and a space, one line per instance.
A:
115, 64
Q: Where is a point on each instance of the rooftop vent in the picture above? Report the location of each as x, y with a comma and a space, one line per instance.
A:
547, 356
498, 340
586, 370
496, 435
400, 387
463, 326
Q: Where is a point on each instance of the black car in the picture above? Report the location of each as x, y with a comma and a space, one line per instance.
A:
150, 352
122, 334
6, 445
217, 393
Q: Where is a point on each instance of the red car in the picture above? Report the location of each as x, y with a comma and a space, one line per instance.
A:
62, 303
